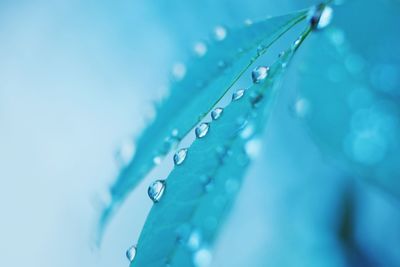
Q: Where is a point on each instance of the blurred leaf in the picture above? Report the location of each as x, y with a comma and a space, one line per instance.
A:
207, 80
182, 227
351, 122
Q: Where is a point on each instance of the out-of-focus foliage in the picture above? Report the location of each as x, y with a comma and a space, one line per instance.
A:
351, 104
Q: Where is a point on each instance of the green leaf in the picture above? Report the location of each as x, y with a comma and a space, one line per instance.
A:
206, 82
182, 227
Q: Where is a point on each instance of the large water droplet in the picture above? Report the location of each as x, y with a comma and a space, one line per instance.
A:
238, 95
216, 113
321, 16
259, 74
200, 49
156, 190
202, 258
180, 156
220, 33
202, 130
131, 253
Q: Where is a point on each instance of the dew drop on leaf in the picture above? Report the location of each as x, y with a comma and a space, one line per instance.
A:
179, 71
259, 74
248, 22
200, 49
247, 132
157, 160
296, 43
156, 190
220, 33
202, 258
216, 113
321, 17
202, 130
208, 182
253, 148
180, 156
194, 240
221, 64
238, 95
301, 107
256, 98
131, 253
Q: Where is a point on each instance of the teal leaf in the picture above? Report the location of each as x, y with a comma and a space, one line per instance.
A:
362, 133
182, 227
207, 80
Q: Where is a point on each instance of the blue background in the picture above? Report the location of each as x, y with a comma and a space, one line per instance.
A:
78, 78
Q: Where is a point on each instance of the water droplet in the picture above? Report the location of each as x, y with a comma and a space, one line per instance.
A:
179, 71
259, 74
220, 33
301, 107
194, 240
321, 16
180, 156
221, 64
174, 133
241, 122
202, 130
156, 190
216, 113
248, 22
256, 98
296, 43
253, 148
238, 95
261, 49
131, 253
200, 49
208, 182
157, 160
202, 258
222, 153
281, 54
247, 132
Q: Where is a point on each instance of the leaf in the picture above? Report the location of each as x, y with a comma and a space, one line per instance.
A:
207, 80
362, 131
187, 219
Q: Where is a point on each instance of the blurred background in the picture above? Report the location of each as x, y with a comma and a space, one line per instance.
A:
77, 79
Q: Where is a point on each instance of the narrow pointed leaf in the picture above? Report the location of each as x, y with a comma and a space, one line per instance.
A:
207, 80
200, 192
